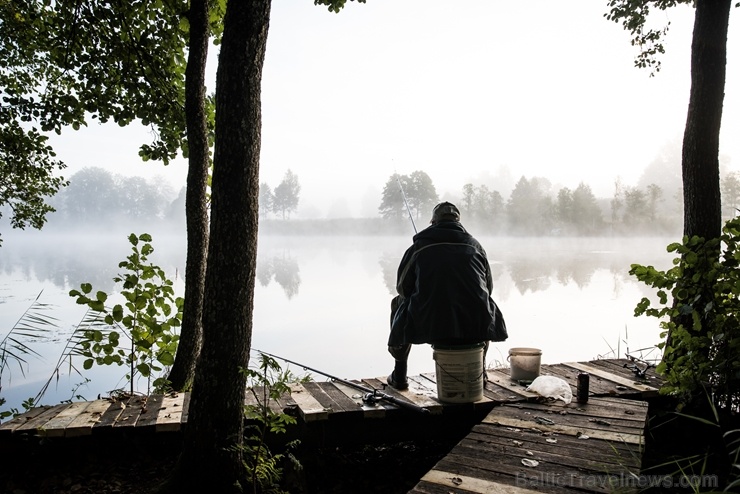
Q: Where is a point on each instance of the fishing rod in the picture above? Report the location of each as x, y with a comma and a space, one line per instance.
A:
400, 186
372, 396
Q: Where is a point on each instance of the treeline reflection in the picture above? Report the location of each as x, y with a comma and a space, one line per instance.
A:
532, 273
283, 269
67, 261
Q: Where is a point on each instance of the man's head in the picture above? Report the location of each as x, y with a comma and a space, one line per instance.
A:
445, 211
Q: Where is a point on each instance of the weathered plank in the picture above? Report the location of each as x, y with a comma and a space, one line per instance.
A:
169, 417
83, 424
449, 481
11, 425
349, 407
416, 395
55, 427
370, 411
528, 416
185, 408
150, 411
505, 440
645, 389
512, 389
626, 369
260, 396
110, 416
39, 420
310, 409
131, 412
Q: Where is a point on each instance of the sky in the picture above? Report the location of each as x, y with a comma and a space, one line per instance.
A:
468, 92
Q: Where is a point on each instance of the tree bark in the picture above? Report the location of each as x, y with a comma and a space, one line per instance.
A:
211, 458
196, 201
700, 160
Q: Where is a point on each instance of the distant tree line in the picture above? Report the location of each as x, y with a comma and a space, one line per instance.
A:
95, 196
283, 200
534, 207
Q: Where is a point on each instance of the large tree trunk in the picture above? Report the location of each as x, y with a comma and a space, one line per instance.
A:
196, 209
209, 461
700, 161
701, 189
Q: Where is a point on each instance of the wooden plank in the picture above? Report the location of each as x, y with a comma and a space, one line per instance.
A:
564, 429
649, 390
150, 411
262, 397
493, 439
11, 425
310, 409
618, 368
595, 408
185, 408
498, 394
347, 406
470, 484
508, 470
370, 411
83, 424
131, 412
110, 416
417, 394
504, 382
55, 427
319, 395
38, 421
170, 413
589, 425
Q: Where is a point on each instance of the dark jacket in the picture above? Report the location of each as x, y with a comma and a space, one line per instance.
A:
444, 284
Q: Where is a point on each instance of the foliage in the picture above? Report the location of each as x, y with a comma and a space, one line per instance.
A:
334, 5
578, 211
66, 63
266, 199
420, 196
286, 195
27, 174
148, 318
269, 382
96, 195
699, 309
633, 15
530, 207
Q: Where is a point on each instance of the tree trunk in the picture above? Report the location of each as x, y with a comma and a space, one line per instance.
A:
211, 459
700, 161
196, 209
700, 166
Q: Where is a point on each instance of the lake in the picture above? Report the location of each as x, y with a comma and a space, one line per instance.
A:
324, 301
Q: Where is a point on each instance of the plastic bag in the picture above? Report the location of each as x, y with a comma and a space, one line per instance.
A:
551, 387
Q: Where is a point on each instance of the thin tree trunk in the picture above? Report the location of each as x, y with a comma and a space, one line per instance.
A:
211, 458
700, 160
196, 205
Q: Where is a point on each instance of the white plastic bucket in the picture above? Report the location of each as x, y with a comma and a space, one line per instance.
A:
525, 363
459, 373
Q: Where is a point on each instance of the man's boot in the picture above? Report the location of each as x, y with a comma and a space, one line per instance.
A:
397, 379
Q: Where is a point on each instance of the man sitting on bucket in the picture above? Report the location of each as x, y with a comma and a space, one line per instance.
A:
444, 288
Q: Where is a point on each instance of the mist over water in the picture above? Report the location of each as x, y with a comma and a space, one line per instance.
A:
324, 301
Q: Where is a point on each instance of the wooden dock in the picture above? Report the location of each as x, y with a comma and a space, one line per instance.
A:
518, 441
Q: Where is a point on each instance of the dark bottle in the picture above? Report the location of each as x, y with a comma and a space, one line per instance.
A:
582, 388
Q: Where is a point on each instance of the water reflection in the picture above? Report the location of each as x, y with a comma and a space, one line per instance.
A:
574, 299
284, 269
534, 267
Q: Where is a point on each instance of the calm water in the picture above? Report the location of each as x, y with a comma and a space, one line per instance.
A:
324, 301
